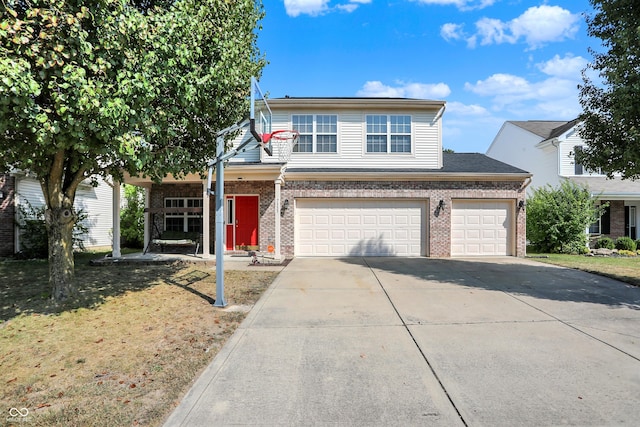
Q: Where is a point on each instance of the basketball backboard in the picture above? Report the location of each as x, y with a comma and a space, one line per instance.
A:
260, 116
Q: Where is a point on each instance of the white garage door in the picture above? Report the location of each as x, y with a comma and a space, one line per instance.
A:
347, 227
481, 228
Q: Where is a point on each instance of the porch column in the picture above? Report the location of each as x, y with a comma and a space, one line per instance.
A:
147, 216
115, 253
278, 252
205, 221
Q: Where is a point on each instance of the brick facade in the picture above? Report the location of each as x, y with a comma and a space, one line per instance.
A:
617, 224
439, 244
7, 215
439, 232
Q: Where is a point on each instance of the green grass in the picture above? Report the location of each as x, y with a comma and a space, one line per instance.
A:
626, 269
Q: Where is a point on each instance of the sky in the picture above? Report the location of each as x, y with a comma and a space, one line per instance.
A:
490, 60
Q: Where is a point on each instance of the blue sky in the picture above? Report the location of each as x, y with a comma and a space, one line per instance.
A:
491, 60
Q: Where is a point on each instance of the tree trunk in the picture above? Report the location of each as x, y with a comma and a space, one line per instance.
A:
60, 222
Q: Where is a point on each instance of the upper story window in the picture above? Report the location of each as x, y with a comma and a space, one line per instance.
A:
578, 168
183, 221
318, 133
388, 133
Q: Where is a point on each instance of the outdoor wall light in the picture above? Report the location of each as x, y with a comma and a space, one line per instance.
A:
285, 206
441, 205
521, 205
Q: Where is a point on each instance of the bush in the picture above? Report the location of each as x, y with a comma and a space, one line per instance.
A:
625, 243
604, 243
623, 252
132, 217
558, 217
638, 244
33, 231
574, 248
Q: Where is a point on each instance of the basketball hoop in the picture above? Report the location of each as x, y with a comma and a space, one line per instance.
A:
283, 140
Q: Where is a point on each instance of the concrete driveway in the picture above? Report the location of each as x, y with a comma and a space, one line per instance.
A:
416, 341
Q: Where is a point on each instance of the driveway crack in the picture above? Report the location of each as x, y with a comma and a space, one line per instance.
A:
424, 356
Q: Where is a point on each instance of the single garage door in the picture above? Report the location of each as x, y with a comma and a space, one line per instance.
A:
354, 227
481, 228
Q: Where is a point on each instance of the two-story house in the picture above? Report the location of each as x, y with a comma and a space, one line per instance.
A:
367, 177
547, 149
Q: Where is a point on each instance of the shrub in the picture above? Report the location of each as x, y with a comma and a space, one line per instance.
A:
574, 248
605, 243
132, 217
625, 243
623, 252
638, 244
558, 217
33, 231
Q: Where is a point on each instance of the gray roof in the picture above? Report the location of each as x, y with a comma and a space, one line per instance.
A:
543, 128
454, 163
601, 185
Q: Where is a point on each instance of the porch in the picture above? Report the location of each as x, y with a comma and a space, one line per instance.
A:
250, 210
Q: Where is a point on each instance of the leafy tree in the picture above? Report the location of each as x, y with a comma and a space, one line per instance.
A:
557, 218
132, 217
611, 108
103, 87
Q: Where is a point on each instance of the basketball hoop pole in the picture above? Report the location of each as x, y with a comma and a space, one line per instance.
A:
218, 164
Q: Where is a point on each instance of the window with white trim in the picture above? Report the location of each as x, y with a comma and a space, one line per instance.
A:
388, 133
183, 221
318, 133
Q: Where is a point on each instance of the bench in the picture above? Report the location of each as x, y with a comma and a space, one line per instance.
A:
178, 238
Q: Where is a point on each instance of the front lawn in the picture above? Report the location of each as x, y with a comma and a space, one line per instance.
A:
123, 353
626, 269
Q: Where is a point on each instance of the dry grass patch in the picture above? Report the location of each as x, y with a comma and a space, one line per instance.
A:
123, 353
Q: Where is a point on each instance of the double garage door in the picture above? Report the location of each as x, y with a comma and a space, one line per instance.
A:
353, 227
392, 227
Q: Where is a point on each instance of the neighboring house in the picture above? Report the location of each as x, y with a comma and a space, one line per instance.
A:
547, 149
368, 177
20, 188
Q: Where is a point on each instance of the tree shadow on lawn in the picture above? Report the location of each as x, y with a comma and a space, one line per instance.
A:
24, 285
525, 278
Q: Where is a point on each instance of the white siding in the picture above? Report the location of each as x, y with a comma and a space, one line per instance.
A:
426, 143
251, 155
517, 147
95, 202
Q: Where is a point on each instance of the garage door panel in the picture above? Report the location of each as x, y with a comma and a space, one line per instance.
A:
481, 228
360, 227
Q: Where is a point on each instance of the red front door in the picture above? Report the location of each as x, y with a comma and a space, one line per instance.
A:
242, 223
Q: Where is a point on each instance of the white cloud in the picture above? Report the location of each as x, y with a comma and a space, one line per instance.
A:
493, 31
405, 90
472, 110
319, 7
552, 98
305, 7
568, 67
460, 4
537, 26
452, 32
